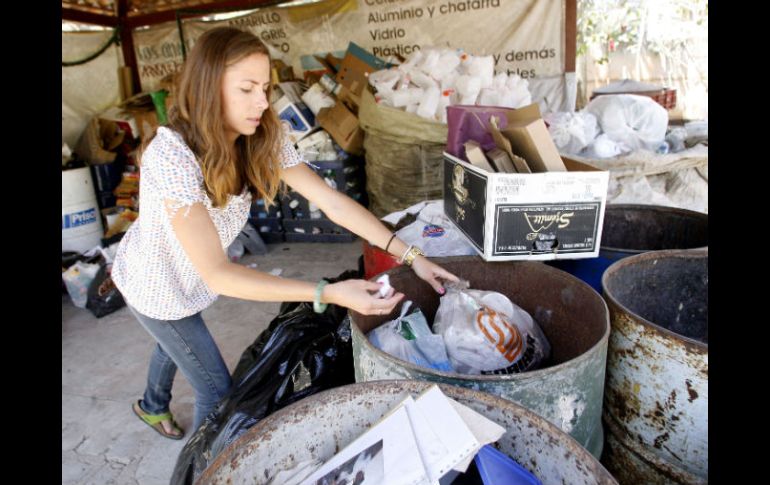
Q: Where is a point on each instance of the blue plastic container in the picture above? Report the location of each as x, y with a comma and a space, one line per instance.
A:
496, 468
633, 229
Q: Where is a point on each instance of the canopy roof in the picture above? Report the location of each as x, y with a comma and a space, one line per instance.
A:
134, 13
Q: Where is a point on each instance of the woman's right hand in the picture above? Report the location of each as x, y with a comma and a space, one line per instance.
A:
361, 296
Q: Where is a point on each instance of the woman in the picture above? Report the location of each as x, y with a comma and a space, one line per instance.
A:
222, 148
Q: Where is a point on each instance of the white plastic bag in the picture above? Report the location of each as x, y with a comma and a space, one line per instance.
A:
434, 233
675, 138
409, 338
77, 279
605, 147
485, 333
572, 132
637, 121
316, 98
236, 250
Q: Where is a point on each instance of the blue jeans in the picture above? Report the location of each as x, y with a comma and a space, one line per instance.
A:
187, 344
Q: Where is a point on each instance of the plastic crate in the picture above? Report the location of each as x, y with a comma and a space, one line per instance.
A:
105, 199
273, 237
665, 97
348, 174
329, 231
294, 206
270, 229
258, 210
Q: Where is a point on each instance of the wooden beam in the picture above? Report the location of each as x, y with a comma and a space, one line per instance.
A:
75, 15
151, 19
170, 15
570, 40
127, 45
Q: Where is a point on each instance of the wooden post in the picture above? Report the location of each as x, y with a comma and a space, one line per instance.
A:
570, 35
127, 45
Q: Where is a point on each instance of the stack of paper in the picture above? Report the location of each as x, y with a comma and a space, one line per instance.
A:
428, 440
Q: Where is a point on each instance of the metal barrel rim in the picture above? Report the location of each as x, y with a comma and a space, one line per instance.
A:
263, 427
651, 208
691, 343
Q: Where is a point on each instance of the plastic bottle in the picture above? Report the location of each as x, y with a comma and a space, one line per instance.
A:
444, 101
469, 88
429, 104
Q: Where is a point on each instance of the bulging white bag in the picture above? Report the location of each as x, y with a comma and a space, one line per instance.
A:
486, 333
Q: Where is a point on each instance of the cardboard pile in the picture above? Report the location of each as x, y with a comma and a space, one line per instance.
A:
297, 119
350, 80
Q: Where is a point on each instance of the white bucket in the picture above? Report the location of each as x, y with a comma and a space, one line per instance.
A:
81, 223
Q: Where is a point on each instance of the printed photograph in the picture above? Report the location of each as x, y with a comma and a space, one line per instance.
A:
365, 468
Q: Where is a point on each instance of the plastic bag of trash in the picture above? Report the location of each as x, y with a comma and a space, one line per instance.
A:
636, 121
409, 338
236, 250
103, 296
301, 353
572, 132
605, 147
486, 333
251, 240
434, 233
77, 279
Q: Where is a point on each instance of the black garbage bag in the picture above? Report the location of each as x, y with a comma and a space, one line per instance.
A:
301, 353
103, 296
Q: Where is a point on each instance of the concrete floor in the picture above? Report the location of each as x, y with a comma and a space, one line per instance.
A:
104, 367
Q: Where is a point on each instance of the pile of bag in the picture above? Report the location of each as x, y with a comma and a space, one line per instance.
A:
432, 79
88, 281
476, 332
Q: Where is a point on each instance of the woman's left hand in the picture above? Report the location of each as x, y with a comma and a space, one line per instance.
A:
431, 273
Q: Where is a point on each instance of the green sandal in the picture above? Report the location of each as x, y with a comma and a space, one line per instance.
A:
154, 421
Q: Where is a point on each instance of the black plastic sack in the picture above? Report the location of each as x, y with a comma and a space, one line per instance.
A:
301, 353
103, 296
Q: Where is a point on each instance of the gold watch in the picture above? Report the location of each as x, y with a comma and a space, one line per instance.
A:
411, 254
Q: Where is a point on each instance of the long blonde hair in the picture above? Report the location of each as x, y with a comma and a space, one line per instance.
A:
197, 114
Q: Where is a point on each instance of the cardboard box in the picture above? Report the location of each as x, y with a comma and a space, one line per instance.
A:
146, 122
355, 67
124, 119
527, 216
329, 62
348, 98
314, 66
297, 119
476, 157
529, 139
343, 127
501, 161
293, 90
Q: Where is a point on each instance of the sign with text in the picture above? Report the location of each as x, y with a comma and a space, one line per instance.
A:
525, 37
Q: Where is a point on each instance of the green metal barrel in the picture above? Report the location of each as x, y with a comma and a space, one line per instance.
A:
567, 392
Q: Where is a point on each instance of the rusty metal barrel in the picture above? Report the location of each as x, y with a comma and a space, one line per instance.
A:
631, 229
567, 391
656, 399
319, 426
